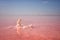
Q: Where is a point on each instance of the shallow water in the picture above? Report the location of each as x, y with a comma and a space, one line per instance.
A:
44, 28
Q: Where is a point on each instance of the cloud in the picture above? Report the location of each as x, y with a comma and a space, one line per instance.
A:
44, 2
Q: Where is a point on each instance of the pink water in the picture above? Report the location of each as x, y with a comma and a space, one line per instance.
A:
44, 28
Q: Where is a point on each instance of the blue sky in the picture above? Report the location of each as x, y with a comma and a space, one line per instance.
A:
29, 7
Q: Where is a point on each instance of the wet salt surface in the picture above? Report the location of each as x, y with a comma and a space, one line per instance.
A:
44, 28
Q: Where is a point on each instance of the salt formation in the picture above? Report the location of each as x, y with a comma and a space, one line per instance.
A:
18, 22
19, 26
